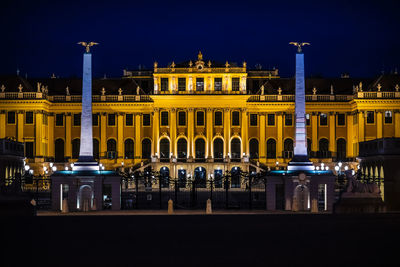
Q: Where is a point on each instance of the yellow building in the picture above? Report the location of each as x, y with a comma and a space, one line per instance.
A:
197, 114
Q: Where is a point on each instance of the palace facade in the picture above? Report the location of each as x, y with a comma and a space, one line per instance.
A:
197, 116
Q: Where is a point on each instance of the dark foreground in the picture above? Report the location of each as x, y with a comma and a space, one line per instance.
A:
198, 240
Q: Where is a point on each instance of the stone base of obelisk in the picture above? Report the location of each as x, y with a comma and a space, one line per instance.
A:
300, 163
86, 190
86, 163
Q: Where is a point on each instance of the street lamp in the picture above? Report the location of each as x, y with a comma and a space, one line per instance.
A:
54, 168
27, 167
346, 168
336, 168
51, 164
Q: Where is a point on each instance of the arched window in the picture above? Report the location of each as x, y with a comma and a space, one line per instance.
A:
164, 148
218, 178
111, 149
253, 145
96, 149
218, 148
182, 148
323, 148
59, 150
200, 175
341, 149
182, 178
271, 149
235, 148
76, 143
200, 148
146, 148
235, 177
288, 148
129, 149
164, 177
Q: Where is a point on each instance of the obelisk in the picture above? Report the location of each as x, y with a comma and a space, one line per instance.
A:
300, 159
86, 160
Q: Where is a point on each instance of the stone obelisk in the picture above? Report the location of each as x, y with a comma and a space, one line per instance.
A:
86, 160
300, 159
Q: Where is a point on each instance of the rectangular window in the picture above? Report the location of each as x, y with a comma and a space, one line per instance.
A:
77, 119
218, 84
11, 117
111, 119
164, 84
288, 119
200, 118
181, 118
308, 119
235, 84
164, 118
146, 119
199, 84
95, 119
181, 84
271, 119
128, 119
323, 119
218, 118
370, 117
235, 118
388, 117
253, 119
29, 150
29, 117
341, 119
59, 119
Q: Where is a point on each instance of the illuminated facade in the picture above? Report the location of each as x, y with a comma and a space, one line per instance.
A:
197, 116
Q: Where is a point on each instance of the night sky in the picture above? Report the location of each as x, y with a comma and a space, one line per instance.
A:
358, 37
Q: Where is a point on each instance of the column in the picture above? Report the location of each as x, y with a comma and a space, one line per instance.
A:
244, 132
396, 123
68, 129
279, 143
332, 134
120, 134
361, 126
20, 126
262, 151
379, 124
156, 130
173, 130
103, 135
350, 136
314, 131
190, 128
51, 135
138, 138
227, 131
38, 135
2, 124
209, 130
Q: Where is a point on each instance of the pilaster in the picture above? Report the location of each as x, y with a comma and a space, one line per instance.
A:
227, 131
103, 134
262, 151
2, 124
138, 138
120, 140
38, 134
332, 134
279, 143
350, 136
361, 127
20, 127
379, 124
397, 123
209, 129
244, 132
314, 132
68, 130
156, 130
173, 130
51, 135
190, 128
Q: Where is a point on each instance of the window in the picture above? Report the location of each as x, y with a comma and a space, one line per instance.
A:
29, 117
253, 145
235, 84
323, 119
308, 119
181, 118
200, 148
271, 149
129, 149
271, 119
288, 148
111, 149
129, 120
111, 119
77, 119
95, 119
341, 119
182, 148
164, 148
235, 118
11, 117
164, 84
164, 118
199, 84
29, 150
235, 148
181, 84
253, 120
200, 118
218, 118
146, 148
370, 117
76, 144
146, 119
323, 148
388, 116
59, 119
218, 148
288, 120
218, 84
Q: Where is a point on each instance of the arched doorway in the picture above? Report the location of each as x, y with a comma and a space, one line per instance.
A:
218, 178
96, 150
85, 198
164, 177
76, 144
182, 148
301, 197
164, 148
323, 148
235, 177
235, 148
271, 148
129, 149
200, 148
288, 148
146, 148
218, 146
111, 149
341, 149
253, 145
200, 176
182, 178
59, 150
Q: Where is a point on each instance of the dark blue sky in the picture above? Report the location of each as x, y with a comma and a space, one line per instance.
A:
359, 37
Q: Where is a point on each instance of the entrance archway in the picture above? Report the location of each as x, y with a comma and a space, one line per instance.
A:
200, 176
302, 197
85, 198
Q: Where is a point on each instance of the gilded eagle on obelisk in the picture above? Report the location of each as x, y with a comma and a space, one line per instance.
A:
299, 45
88, 45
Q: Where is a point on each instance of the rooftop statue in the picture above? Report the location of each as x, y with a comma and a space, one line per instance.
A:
88, 45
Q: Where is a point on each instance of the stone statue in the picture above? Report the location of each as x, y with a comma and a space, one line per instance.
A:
279, 91
299, 45
120, 91
262, 89
396, 87
88, 45
3, 88
331, 89
38, 87
314, 91
138, 90
103, 91
354, 186
20, 88
379, 87
360, 87
67, 90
